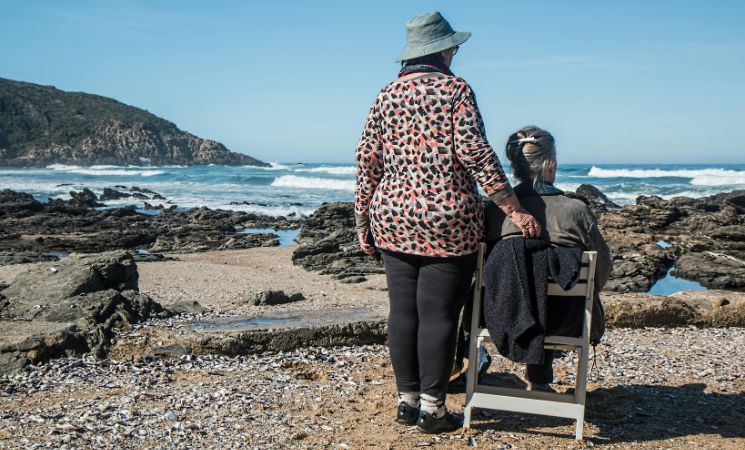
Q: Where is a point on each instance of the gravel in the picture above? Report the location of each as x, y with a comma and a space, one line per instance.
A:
656, 388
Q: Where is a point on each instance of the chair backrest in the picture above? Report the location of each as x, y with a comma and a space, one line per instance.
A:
585, 286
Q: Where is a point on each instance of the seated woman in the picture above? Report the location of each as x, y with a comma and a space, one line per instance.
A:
564, 222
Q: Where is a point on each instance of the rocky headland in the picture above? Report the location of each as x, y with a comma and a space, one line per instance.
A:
42, 125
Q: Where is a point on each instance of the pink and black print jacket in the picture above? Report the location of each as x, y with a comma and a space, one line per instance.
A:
421, 152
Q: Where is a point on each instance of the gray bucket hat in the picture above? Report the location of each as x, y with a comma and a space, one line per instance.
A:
430, 33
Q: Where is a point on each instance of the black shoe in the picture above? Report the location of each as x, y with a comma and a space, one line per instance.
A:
407, 415
445, 424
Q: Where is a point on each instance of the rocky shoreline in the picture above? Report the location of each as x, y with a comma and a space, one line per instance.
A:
699, 239
30, 227
97, 293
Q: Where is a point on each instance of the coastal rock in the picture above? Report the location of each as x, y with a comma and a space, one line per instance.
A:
596, 200
45, 286
186, 307
112, 194
328, 243
70, 307
696, 308
8, 258
43, 125
638, 262
269, 332
85, 198
75, 226
713, 269
267, 298
18, 203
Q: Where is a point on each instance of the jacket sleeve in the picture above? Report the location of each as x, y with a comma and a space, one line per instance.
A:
369, 159
473, 149
604, 264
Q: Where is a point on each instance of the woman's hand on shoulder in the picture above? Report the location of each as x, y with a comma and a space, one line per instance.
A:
520, 217
526, 222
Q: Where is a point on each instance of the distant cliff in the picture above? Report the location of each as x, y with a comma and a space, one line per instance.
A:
41, 125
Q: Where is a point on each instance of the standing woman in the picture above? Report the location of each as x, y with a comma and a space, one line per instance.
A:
422, 150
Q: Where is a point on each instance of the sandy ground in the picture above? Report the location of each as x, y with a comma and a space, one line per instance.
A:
651, 388
226, 281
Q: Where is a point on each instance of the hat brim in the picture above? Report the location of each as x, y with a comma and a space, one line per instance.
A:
439, 45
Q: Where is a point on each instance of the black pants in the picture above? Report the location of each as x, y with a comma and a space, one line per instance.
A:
426, 295
541, 373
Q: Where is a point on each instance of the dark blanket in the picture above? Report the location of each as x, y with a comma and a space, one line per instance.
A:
515, 299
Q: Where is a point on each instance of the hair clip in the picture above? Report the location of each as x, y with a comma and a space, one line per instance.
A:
525, 140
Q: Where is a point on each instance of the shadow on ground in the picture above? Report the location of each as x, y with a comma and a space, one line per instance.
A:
634, 413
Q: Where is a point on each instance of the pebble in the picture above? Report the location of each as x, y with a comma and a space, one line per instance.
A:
290, 399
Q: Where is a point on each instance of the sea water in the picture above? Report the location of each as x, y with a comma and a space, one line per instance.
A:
295, 190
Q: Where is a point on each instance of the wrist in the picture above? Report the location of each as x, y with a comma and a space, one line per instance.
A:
361, 221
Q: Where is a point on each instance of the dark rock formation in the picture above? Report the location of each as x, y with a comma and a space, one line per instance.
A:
113, 194
267, 298
8, 258
597, 201
70, 307
328, 243
75, 226
186, 307
701, 309
706, 238
266, 332
42, 125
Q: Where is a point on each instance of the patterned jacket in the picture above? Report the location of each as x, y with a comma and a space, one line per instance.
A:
422, 150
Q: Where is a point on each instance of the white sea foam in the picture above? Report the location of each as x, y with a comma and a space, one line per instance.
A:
294, 212
272, 166
293, 181
718, 180
106, 170
699, 177
344, 170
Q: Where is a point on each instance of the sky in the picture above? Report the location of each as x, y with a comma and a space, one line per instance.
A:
291, 81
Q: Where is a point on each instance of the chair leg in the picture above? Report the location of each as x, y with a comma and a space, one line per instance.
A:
471, 378
579, 427
467, 417
580, 391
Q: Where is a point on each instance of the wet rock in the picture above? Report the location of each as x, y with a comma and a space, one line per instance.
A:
112, 194
276, 332
186, 307
718, 270
86, 198
699, 308
266, 298
8, 258
150, 257
597, 201
14, 203
70, 307
328, 243
75, 226
172, 351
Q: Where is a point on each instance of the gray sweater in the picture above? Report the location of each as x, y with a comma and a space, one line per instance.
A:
564, 222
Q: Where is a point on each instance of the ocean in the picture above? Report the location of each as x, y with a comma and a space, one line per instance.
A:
295, 190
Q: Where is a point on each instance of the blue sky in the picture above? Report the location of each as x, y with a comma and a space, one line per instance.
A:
615, 82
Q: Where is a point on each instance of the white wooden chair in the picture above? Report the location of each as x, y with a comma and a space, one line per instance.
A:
571, 406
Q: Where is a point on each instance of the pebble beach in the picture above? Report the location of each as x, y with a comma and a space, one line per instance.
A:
649, 388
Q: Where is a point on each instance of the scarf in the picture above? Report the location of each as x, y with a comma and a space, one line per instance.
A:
539, 187
423, 68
